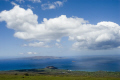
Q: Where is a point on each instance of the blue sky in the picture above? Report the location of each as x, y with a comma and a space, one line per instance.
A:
59, 27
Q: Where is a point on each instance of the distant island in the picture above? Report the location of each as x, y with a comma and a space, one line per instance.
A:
39, 57
51, 67
44, 57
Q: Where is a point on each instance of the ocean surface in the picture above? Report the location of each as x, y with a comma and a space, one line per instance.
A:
111, 63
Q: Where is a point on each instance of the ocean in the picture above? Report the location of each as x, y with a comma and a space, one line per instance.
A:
94, 63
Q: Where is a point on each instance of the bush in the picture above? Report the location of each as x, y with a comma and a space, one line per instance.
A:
26, 74
16, 74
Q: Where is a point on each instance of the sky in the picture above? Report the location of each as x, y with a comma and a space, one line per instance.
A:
59, 28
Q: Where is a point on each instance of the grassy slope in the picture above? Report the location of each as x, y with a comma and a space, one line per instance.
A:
52, 77
50, 74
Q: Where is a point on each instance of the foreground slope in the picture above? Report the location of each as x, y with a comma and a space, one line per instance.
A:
57, 74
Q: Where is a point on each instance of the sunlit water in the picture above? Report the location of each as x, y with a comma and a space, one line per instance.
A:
81, 64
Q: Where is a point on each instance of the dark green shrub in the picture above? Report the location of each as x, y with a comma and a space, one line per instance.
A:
16, 74
26, 74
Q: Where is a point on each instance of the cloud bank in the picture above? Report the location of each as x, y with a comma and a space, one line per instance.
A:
103, 35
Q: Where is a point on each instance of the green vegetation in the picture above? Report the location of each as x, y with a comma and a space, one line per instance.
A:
57, 74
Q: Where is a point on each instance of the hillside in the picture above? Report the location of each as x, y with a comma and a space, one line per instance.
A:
57, 74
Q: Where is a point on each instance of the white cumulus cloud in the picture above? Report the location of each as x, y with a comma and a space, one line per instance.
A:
58, 45
20, 1
35, 1
103, 35
36, 44
13, 3
52, 5
29, 6
31, 53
